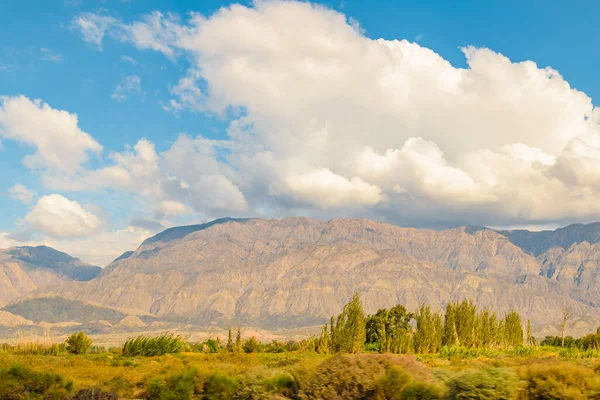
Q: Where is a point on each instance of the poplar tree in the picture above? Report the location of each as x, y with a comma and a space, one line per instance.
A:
230, 341
513, 330
238, 340
350, 329
450, 336
429, 331
324, 341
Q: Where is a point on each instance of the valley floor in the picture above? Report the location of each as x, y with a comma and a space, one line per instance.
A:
539, 373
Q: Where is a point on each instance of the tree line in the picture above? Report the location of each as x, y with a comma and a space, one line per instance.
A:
424, 331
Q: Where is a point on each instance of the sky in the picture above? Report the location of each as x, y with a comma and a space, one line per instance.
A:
122, 118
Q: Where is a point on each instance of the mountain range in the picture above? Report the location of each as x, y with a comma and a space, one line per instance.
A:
298, 272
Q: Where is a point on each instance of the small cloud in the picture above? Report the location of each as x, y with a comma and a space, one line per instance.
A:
147, 224
93, 27
21, 193
49, 55
419, 37
173, 106
72, 3
129, 59
129, 84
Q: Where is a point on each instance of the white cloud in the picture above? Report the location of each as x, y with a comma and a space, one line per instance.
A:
57, 216
129, 59
131, 84
99, 248
22, 194
60, 143
388, 125
93, 27
170, 208
49, 55
188, 173
323, 188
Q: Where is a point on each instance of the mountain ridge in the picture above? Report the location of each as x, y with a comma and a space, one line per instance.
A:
297, 271
24, 269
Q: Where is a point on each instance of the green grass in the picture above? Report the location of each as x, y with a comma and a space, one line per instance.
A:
520, 373
150, 346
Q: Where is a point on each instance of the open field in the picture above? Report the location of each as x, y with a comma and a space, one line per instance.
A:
524, 373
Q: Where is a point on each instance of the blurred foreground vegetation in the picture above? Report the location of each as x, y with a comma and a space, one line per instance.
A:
541, 373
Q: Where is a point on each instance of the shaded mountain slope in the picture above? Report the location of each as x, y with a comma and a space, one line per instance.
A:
537, 243
23, 269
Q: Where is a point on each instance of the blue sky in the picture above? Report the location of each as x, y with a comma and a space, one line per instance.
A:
44, 54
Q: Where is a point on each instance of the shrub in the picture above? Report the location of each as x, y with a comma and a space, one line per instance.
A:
21, 382
78, 343
422, 391
394, 382
94, 394
219, 387
346, 377
564, 381
251, 345
177, 386
153, 346
260, 387
492, 383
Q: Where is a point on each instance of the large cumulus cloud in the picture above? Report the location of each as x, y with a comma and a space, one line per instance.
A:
334, 120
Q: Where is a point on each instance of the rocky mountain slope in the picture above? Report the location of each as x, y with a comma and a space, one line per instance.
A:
537, 243
23, 269
298, 272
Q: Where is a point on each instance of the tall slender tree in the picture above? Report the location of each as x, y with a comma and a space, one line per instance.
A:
229, 340
350, 329
566, 316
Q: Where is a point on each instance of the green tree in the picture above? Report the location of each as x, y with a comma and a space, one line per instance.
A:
399, 330
238, 340
429, 331
465, 319
251, 345
324, 341
350, 329
78, 343
450, 335
377, 330
488, 330
512, 329
230, 341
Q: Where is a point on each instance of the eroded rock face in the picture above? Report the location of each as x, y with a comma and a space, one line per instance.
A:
24, 269
297, 272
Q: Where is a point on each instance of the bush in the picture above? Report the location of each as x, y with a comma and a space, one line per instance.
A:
21, 382
78, 343
153, 346
175, 387
422, 391
492, 383
393, 383
219, 387
260, 387
95, 394
251, 345
564, 381
346, 377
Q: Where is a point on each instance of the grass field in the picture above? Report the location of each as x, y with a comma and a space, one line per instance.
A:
537, 373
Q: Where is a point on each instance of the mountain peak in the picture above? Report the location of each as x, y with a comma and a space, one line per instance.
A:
179, 232
537, 243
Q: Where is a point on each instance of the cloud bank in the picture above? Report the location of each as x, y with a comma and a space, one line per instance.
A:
330, 122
